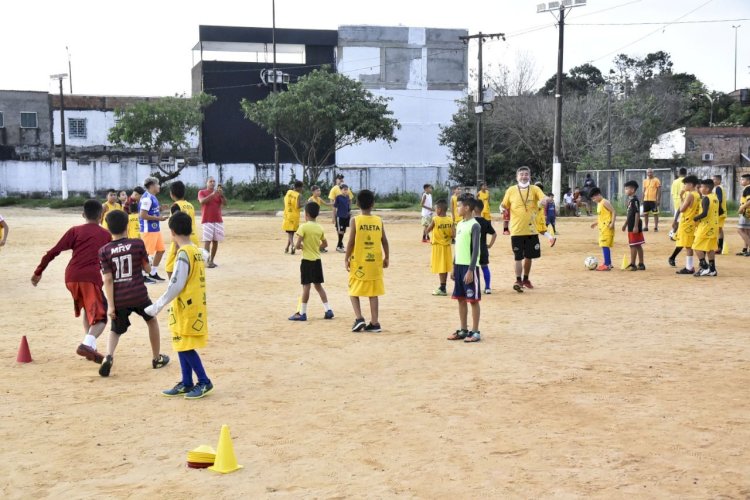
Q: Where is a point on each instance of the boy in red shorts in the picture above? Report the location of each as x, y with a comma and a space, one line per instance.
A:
82, 276
634, 227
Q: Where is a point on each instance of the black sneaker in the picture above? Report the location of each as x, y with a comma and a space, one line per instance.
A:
518, 286
178, 390
373, 328
147, 280
160, 362
641, 267
672, 262
359, 325
631, 267
106, 366
656, 229
645, 229
156, 277
685, 270
459, 335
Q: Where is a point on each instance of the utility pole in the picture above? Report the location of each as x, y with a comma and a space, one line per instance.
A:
64, 182
609, 88
735, 54
557, 144
479, 105
275, 130
70, 70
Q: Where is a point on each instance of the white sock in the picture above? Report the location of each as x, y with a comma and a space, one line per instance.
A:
153, 270
303, 308
548, 235
89, 340
689, 262
326, 306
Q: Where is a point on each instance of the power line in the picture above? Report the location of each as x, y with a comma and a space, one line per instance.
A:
706, 21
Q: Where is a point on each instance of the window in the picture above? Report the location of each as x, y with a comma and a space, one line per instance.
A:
28, 119
2, 123
77, 128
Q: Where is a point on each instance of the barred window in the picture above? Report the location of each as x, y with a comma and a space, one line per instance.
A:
77, 128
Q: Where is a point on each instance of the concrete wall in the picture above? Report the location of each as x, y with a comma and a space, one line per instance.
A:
33, 143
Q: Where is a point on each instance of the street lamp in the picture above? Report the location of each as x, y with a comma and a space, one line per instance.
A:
560, 7
609, 88
60, 77
735, 54
711, 113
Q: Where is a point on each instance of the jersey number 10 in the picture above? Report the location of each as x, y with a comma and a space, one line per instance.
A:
124, 265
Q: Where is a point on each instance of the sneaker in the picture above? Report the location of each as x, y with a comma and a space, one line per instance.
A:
374, 328
89, 353
656, 229
323, 250
156, 277
359, 325
708, 272
212, 264
518, 286
459, 335
631, 267
298, 317
293, 251
106, 366
328, 314
199, 390
340, 249
488, 291
685, 270
160, 362
743, 253
672, 262
641, 267
147, 280
552, 242
177, 390
440, 292
506, 232
527, 284
645, 229
603, 267
473, 337
699, 272
425, 240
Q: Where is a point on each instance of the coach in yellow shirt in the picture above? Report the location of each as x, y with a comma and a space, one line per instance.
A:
523, 201
336, 189
651, 198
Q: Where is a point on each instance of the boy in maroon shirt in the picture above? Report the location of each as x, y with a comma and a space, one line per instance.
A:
82, 276
122, 261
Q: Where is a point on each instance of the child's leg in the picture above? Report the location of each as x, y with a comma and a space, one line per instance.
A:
341, 240
640, 254
374, 310
463, 312
196, 365
91, 332
712, 260
676, 252
357, 308
526, 268
487, 276
304, 299
323, 296
633, 253
475, 316
689, 258
157, 260
112, 342
153, 337
607, 253
187, 372
443, 280
214, 247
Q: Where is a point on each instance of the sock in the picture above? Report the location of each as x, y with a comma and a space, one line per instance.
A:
518, 278
607, 256
341, 240
187, 373
90, 341
303, 308
721, 244
549, 235
689, 262
326, 307
526, 277
153, 270
197, 366
442, 287
676, 252
487, 276
712, 265
554, 229
704, 264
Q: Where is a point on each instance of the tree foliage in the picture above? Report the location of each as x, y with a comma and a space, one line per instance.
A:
581, 80
160, 125
321, 113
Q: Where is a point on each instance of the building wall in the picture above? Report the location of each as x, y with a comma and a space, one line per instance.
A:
30, 143
724, 143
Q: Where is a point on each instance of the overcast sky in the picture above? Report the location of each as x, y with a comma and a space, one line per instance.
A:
144, 47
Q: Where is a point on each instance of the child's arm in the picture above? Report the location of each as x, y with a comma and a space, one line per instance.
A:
300, 239
334, 211
323, 242
350, 243
386, 248
705, 204
491, 231
421, 202
6, 229
430, 227
109, 293
611, 209
476, 234
65, 243
176, 285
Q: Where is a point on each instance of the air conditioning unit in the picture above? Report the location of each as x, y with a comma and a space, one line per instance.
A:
708, 157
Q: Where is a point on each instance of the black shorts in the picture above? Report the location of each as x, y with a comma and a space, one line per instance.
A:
526, 247
311, 272
462, 291
341, 224
650, 207
122, 320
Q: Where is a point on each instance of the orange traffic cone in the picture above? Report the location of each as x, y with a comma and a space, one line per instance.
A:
24, 354
225, 461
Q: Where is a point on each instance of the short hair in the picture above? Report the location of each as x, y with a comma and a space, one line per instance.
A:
111, 191
717, 177
683, 171
339, 176
745, 176
314, 188
595, 192
477, 204
134, 207
298, 184
343, 186
691, 179
708, 183
117, 221
177, 189
466, 198
92, 209
174, 208
427, 186
139, 190
553, 194
312, 209
365, 198
442, 203
523, 169
181, 224
539, 185
150, 181
631, 184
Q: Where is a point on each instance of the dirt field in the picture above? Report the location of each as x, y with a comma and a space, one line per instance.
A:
609, 385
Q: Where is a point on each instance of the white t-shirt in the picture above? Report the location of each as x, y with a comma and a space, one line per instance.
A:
427, 201
568, 199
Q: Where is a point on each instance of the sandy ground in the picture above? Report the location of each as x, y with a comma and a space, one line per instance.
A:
609, 385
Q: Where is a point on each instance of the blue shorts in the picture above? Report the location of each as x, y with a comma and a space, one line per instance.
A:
462, 291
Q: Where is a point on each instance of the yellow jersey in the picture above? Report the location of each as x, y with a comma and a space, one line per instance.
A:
523, 204
454, 209
708, 227
106, 207
336, 190
291, 211
484, 197
312, 235
677, 186
316, 199
188, 208
134, 226
442, 231
367, 259
188, 315
687, 217
651, 188
604, 219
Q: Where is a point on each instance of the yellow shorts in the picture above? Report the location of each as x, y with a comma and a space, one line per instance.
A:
704, 244
441, 260
607, 238
171, 257
154, 242
722, 220
685, 235
290, 224
366, 288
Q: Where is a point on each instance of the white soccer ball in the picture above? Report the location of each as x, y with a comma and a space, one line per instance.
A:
591, 262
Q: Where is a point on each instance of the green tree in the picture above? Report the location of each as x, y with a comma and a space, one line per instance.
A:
160, 125
581, 80
321, 113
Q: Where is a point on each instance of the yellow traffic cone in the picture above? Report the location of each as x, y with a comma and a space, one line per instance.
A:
725, 250
225, 461
625, 262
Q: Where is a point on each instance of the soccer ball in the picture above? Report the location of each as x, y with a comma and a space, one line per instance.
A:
590, 262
